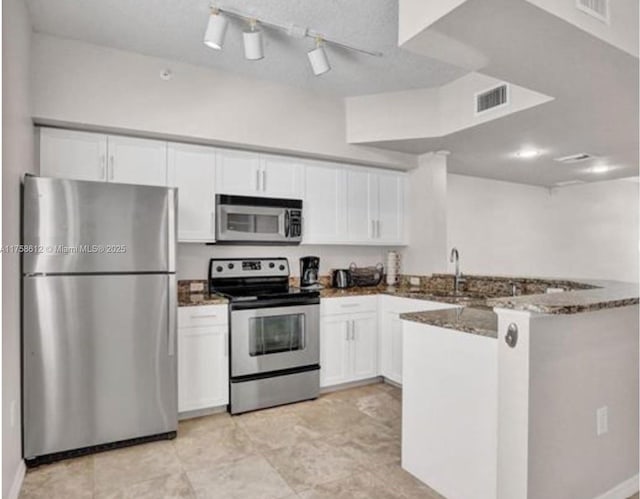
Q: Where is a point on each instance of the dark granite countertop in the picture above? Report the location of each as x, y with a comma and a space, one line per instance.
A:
199, 299
462, 299
609, 294
198, 296
483, 292
472, 320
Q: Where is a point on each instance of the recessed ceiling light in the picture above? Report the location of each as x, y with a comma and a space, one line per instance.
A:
527, 153
600, 169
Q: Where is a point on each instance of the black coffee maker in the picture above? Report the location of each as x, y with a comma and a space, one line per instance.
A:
309, 271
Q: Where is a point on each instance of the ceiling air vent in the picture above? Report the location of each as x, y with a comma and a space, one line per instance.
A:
567, 183
490, 99
574, 158
595, 8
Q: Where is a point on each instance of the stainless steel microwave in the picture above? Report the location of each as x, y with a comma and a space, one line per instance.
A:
253, 220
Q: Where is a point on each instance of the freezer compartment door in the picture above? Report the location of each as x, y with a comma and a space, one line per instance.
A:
91, 227
99, 361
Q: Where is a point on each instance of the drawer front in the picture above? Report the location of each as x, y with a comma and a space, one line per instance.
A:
348, 305
202, 316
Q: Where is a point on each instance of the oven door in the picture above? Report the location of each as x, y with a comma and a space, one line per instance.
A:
251, 224
274, 339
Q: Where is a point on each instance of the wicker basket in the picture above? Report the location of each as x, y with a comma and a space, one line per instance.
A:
366, 276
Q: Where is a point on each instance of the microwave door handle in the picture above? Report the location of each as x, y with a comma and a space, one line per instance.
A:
286, 223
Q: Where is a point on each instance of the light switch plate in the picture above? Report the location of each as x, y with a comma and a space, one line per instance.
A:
196, 287
602, 420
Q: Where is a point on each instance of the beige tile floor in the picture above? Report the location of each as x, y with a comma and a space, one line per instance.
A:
344, 445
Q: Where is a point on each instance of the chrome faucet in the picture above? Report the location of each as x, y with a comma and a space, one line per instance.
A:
455, 257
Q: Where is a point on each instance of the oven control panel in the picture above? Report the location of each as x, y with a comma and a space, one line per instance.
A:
248, 267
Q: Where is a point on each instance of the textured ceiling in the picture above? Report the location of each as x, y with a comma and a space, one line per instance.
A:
174, 29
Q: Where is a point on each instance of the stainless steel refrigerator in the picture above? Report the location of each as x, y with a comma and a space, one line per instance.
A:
99, 316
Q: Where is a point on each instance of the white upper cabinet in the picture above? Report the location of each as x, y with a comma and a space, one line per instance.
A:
73, 155
263, 175
360, 224
238, 172
192, 171
375, 209
281, 177
95, 156
343, 204
137, 161
387, 203
325, 204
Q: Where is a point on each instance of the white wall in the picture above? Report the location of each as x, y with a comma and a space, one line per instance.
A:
97, 87
416, 15
426, 217
550, 385
583, 231
622, 30
193, 259
17, 158
579, 363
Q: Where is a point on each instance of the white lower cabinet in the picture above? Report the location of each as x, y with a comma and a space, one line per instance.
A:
348, 341
203, 357
390, 338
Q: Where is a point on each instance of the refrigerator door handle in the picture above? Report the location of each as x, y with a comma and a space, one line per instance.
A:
172, 229
173, 316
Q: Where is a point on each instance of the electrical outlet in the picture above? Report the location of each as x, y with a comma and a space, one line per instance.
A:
196, 287
414, 281
602, 420
12, 413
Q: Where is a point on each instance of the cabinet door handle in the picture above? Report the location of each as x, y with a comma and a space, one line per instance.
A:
264, 180
213, 224
103, 164
349, 305
347, 331
204, 316
378, 228
258, 187
226, 344
111, 167
373, 229
353, 331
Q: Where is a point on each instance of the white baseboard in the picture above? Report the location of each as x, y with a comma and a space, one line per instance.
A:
622, 490
14, 491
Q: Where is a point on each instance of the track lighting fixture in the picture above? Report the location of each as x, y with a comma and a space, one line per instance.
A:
216, 30
253, 45
318, 59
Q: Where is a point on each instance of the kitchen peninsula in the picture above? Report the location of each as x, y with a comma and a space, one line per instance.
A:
520, 396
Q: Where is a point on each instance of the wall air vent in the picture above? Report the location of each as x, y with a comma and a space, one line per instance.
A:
595, 8
490, 99
574, 158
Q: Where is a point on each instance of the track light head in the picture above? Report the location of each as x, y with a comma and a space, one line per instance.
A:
253, 43
318, 59
216, 30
